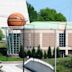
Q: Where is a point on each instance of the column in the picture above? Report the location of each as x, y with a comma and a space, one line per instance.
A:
41, 39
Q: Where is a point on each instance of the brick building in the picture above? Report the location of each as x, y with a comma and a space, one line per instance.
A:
54, 34
45, 34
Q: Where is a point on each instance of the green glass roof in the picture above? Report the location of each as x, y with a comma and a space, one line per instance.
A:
49, 25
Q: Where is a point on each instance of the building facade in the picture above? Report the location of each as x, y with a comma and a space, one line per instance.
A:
53, 34
13, 42
45, 34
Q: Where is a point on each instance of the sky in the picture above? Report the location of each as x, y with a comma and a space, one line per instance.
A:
63, 6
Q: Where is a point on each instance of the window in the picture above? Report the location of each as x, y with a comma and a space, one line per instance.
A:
15, 42
62, 40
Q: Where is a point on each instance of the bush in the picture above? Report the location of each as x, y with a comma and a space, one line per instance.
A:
53, 53
45, 55
29, 53
49, 54
68, 63
33, 53
57, 52
22, 53
3, 51
39, 53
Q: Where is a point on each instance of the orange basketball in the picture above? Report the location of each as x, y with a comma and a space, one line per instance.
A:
16, 19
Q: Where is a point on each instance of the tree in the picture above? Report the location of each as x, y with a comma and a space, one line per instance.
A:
29, 53
45, 55
53, 52
58, 52
32, 13
39, 53
48, 14
45, 14
22, 53
1, 35
33, 53
60, 17
49, 55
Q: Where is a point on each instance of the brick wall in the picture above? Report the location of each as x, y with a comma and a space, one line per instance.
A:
48, 39
70, 39
31, 39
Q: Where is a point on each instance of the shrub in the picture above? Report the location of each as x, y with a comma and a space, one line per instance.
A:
45, 55
53, 53
33, 53
49, 54
57, 52
39, 53
3, 51
29, 53
22, 53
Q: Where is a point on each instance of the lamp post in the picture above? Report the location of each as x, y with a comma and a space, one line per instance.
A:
23, 48
55, 51
29, 37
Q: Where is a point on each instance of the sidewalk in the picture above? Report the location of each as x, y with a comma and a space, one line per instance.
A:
10, 68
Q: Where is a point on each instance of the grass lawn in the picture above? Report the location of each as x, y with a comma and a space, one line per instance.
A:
4, 58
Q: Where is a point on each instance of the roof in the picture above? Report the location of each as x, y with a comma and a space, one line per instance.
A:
36, 65
44, 25
49, 25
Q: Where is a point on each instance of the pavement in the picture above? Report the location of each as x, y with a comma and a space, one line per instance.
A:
11, 67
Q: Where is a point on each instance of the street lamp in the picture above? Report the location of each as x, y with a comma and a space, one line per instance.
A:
28, 38
55, 51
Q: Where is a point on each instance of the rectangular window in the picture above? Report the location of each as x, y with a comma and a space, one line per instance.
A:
62, 40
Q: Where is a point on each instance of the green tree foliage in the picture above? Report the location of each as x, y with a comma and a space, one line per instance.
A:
60, 17
39, 53
32, 13
58, 52
48, 14
45, 14
53, 52
1, 35
29, 53
33, 53
68, 63
22, 53
45, 55
3, 51
49, 54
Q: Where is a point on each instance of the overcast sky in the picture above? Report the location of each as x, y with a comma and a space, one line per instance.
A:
63, 6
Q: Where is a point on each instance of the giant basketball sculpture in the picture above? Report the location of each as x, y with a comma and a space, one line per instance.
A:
16, 19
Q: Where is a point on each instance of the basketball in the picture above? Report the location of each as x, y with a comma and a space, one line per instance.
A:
16, 19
